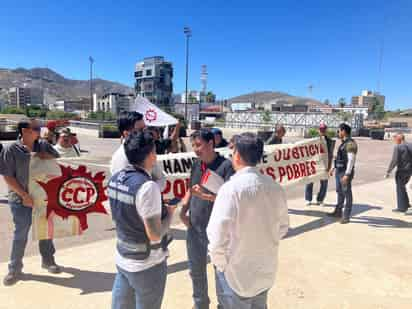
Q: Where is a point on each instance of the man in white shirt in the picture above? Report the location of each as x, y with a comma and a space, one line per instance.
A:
127, 123
248, 220
141, 228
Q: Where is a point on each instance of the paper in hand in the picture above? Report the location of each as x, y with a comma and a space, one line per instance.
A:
211, 181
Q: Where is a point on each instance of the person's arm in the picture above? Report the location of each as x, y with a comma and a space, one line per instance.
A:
184, 217
271, 139
159, 176
351, 149
175, 134
149, 207
13, 184
46, 151
198, 191
351, 163
394, 161
220, 225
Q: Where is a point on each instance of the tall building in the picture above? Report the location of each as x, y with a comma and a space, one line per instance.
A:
113, 102
367, 99
21, 97
154, 80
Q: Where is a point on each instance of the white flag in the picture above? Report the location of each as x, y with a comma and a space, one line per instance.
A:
152, 115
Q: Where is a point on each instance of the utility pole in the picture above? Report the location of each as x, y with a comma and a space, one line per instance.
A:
188, 32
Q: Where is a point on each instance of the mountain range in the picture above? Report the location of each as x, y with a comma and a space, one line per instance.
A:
56, 86
262, 97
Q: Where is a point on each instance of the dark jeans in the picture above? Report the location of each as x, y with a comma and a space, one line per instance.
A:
401, 180
139, 290
197, 255
345, 198
22, 218
322, 191
230, 300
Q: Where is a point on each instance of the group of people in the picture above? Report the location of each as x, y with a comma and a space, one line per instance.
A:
216, 222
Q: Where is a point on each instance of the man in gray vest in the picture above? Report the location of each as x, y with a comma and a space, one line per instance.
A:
345, 171
141, 229
402, 159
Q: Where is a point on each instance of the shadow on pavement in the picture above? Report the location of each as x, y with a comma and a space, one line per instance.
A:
382, 222
323, 220
87, 281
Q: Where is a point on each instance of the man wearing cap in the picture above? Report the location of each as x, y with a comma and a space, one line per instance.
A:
323, 182
64, 145
220, 142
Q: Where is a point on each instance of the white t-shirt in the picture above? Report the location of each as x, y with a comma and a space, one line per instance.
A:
120, 161
69, 152
148, 204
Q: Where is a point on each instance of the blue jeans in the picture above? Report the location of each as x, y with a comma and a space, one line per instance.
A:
345, 197
197, 255
322, 191
230, 300
22, 218
402, 198
139, 290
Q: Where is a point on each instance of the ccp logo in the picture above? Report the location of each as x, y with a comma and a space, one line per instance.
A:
77, 194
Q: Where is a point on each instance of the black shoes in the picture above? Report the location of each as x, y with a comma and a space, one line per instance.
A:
336, 213
344, 220
51, 266
11, 278
398, 210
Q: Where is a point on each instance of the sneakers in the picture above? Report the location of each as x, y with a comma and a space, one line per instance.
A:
308, 203
51, 266
11, 278
320, 203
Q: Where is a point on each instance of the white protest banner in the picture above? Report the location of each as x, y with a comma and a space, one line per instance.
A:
287, 164
65, 194
152, 115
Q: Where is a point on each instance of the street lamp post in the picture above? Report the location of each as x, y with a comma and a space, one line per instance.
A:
91, 60
188, 32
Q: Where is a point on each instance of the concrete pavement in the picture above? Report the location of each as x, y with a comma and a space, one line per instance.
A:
322, 264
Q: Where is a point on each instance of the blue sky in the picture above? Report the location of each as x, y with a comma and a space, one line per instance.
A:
247, 45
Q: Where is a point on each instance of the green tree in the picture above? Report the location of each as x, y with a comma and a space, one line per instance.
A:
36, 111
60, 115
342, 102
326, 102
100, 115
12, 110
377, 109
266, 116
